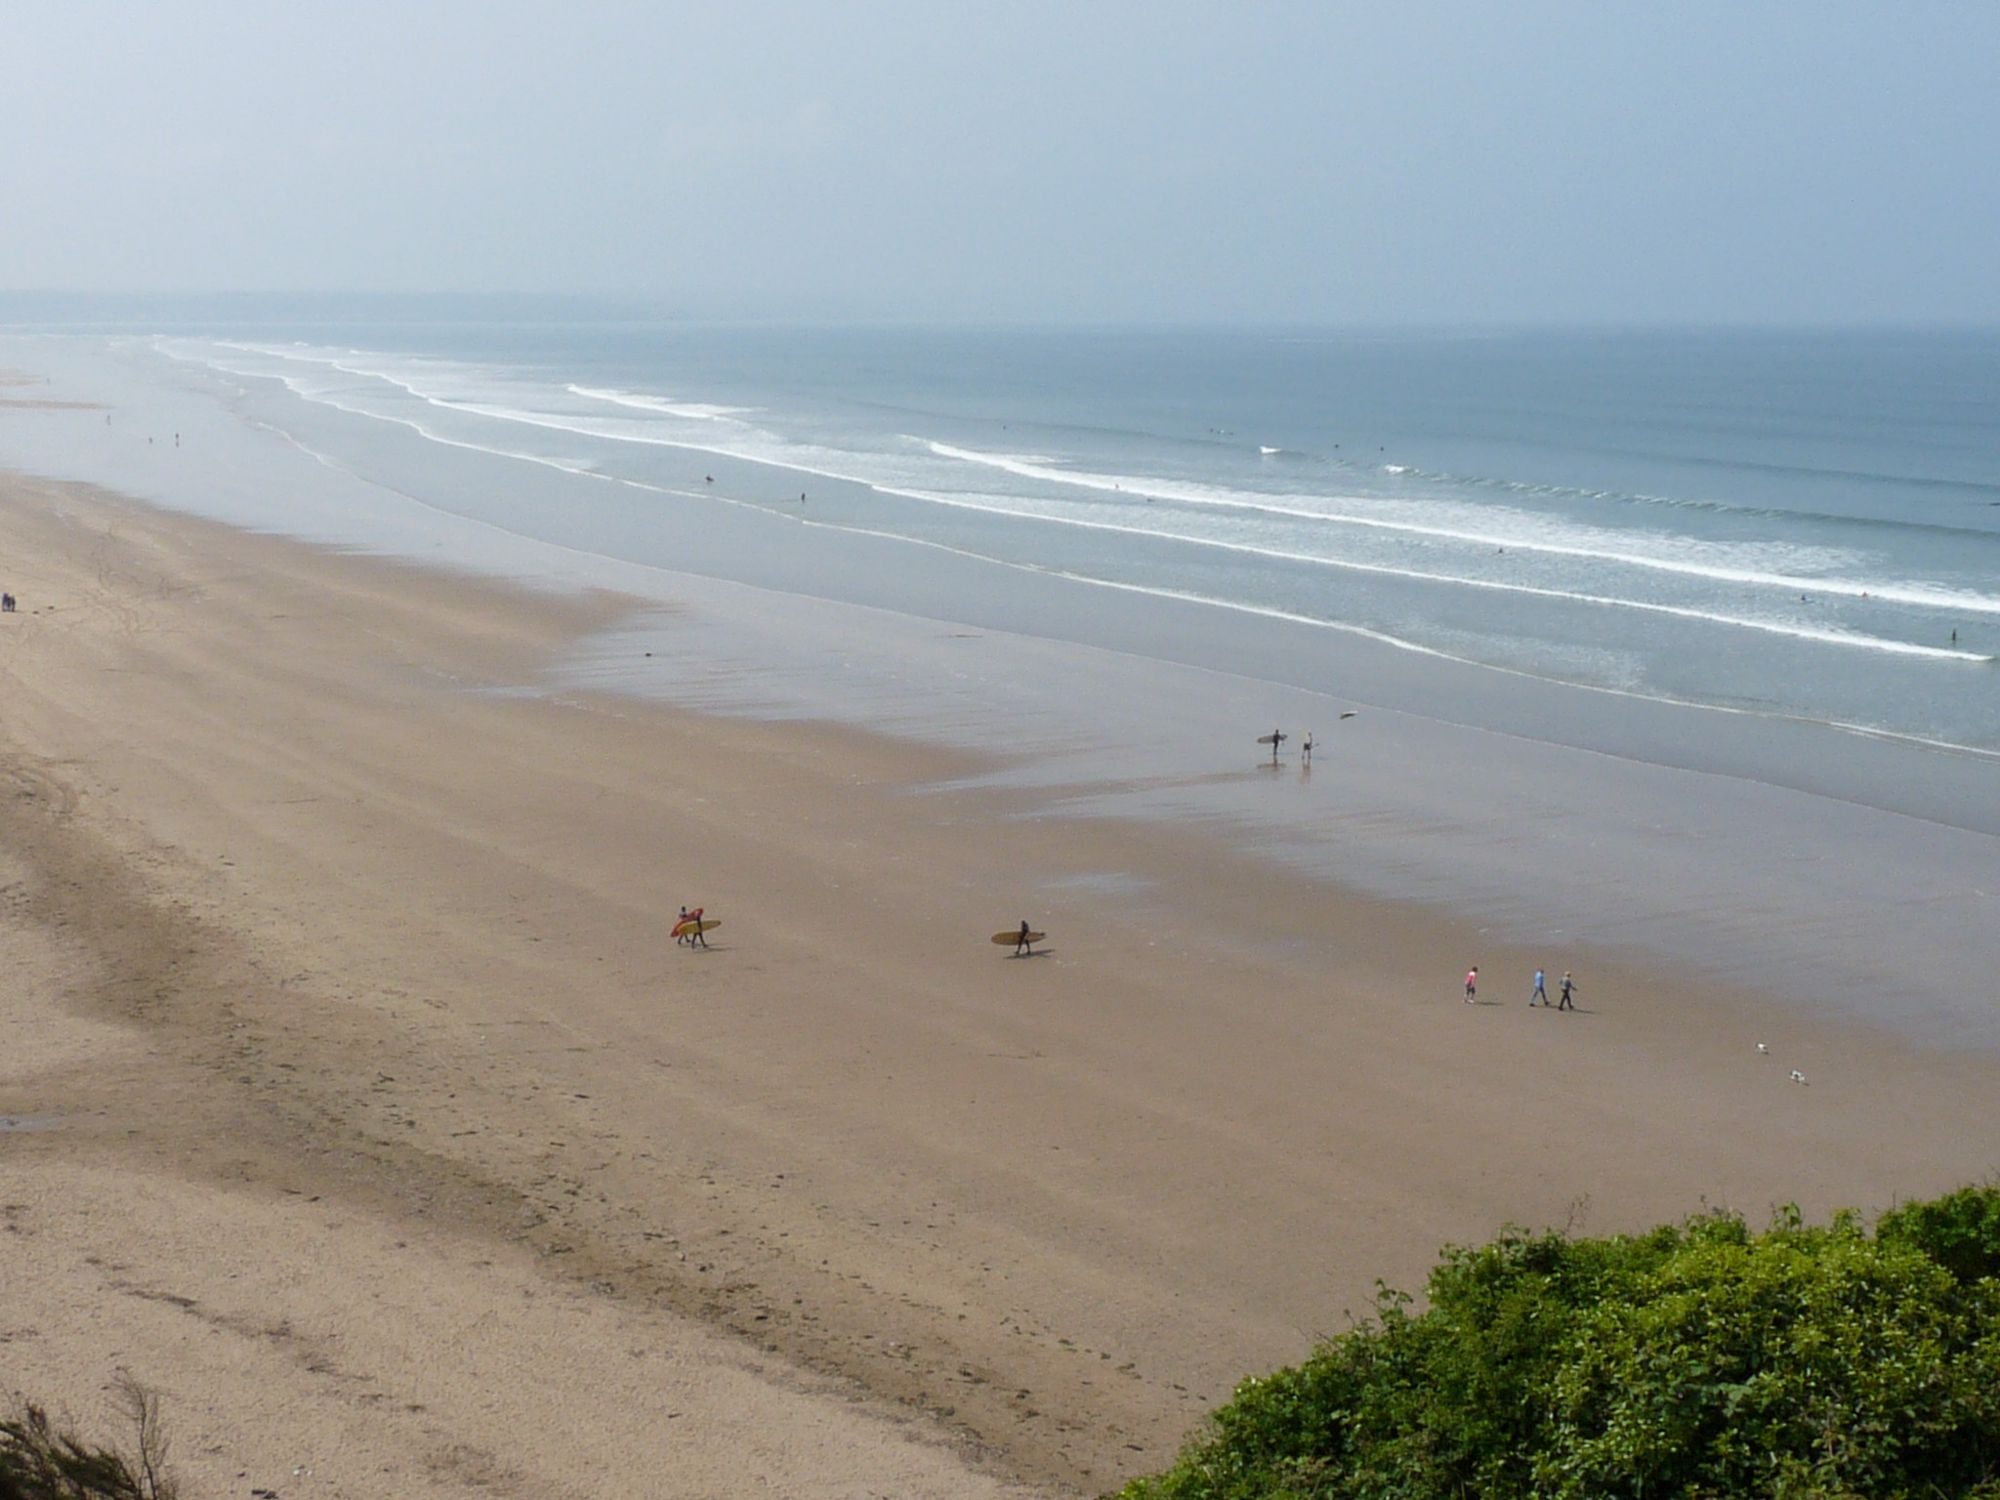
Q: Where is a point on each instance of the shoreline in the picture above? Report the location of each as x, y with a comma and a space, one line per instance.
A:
1786, 857
428, 983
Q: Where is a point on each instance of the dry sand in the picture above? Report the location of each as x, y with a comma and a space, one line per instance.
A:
378, 1124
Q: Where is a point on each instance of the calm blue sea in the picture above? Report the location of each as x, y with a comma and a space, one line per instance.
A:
1796, 524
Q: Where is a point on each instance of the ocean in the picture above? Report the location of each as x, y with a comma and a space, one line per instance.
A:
1789, 524
1683, 642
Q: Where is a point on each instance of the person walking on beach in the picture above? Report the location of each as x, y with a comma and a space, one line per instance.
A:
1541, 989
1306, 749
1021, 941
680, 922
1566, 990
1472, 985
695, 938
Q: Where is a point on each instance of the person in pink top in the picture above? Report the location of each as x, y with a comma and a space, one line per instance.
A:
1472, 985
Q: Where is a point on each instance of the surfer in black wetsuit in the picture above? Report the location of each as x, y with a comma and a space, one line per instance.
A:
1021, 942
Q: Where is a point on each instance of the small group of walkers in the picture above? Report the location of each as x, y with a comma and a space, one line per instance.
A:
1566, 990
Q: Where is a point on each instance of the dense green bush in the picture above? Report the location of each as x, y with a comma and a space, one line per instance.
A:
1960, 1231
1698, 1361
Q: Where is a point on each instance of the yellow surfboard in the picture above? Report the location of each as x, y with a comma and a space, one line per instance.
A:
1009, 939
689, 928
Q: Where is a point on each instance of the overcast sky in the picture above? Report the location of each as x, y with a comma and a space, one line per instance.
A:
1390, 162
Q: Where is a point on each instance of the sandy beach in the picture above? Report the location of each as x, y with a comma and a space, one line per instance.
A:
356, 1098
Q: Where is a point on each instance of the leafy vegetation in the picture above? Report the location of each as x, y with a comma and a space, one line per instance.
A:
1705, 1360
40, 1461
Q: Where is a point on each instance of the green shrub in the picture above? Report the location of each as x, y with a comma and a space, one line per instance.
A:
1698, 1361
40, 1461
1960, 1231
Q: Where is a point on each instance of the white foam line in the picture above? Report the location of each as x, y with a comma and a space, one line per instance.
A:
451, 442
1846, 639
1945, 599
1866, 731
552, 423
698, 411
1798, 632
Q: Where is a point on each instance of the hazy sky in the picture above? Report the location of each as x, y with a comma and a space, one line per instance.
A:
1518, 162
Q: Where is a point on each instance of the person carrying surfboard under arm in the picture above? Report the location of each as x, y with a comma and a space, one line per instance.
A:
1027, 932
689, 929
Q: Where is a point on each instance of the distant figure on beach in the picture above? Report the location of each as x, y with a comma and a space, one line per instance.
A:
1306, 749
1021, 942
6, 604
688, 928
1567, 989
1472, 985
1541, 989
